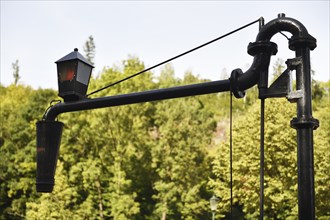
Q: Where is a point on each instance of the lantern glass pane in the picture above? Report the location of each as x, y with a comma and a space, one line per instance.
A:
66, 71
84, 72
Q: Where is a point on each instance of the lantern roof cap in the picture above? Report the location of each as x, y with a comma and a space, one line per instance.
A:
73, 56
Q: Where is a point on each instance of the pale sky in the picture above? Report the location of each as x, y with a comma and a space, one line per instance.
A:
38, 33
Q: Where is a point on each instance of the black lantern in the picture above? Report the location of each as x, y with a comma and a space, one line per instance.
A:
73, 72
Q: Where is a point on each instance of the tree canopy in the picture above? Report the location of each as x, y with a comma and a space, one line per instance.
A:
157, 160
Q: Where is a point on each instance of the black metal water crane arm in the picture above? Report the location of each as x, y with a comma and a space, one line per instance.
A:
262, 50
138, 97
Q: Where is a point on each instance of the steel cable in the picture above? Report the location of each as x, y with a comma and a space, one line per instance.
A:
175, 57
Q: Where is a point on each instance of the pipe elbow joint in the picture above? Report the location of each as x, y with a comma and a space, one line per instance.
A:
300, 36
52, 113
262, 51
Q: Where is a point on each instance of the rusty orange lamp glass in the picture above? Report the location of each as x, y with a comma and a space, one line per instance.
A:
74, 72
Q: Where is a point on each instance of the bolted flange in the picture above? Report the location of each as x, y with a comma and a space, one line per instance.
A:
235, 74
302, 41
262, 47
299, 123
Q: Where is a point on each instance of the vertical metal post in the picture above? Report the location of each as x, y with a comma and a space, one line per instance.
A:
304, 123
263, 82
301, 42
262, 157
231, 154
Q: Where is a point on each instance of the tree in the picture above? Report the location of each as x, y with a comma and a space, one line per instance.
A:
17, 159
167, 77
278, 68
101, 154
280, 163
56, 205
152, 160
16, 75
280, 160
182, 135
319, 89
89, 49
322, 157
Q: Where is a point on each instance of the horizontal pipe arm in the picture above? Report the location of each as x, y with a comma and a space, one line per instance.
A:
138, 97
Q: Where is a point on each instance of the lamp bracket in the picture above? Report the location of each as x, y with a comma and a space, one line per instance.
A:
282, 86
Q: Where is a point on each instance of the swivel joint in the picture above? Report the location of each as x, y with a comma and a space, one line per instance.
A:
307, 40
262, 47
234, 88
261, 51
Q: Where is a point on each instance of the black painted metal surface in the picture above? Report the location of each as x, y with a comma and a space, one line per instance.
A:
301, 42
139, 97
48, 144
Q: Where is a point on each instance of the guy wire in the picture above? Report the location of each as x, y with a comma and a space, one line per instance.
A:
173, 58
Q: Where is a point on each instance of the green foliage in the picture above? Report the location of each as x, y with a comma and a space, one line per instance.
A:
156, 160
278, 68
55, 205
321, 106
181, 144
322, 159
89, 49
16, 75
320, 92
20, 108
280, 163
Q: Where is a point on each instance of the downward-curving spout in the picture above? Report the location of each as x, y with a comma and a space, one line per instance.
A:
263, 49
